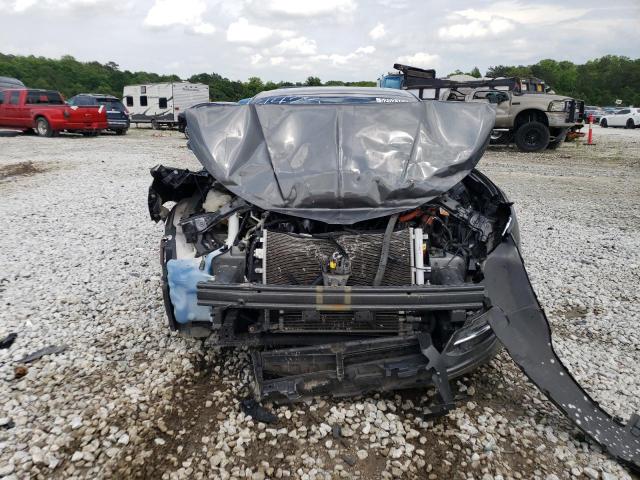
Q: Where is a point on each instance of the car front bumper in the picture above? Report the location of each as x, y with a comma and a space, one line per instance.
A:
321, 298
559, 120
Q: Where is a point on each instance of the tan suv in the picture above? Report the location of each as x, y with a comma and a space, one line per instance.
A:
527, 113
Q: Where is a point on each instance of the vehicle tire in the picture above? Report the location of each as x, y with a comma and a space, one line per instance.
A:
532, 137
630, 124
603, 123
43, 127
498, 138
186, 132
121, 131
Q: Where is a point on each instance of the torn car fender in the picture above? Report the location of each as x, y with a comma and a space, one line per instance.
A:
521, 325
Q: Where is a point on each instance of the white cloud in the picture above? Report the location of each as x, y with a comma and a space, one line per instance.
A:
296, 46
342, 59
21, 6
365, 50
378, 32
395, 4
204, 28
502, 17
533, 13
419, 59
304, 52
309, 8
241, 31
475, 29
186, 13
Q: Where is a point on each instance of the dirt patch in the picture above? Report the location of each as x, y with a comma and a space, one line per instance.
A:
21, 169
574, 312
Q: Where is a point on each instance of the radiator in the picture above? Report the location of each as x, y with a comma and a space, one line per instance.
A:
291, 259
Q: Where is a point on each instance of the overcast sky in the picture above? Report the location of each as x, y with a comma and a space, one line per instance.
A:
333, 39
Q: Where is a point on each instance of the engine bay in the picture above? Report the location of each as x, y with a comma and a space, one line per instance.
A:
281, 284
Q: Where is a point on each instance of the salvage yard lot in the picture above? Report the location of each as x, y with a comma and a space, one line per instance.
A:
129, 399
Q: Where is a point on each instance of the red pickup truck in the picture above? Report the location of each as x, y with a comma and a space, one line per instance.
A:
46, 112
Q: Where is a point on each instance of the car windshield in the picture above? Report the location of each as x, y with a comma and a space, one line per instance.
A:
40, 97
331, 100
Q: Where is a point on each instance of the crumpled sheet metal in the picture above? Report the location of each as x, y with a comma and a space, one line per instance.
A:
340, 164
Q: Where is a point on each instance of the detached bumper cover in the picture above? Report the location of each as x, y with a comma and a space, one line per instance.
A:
349, 368
522, 327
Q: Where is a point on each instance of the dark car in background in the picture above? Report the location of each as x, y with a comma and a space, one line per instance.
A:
9, 82
117, 114
596, 112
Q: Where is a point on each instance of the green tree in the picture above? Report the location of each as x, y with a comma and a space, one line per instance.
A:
598, 82
313, 82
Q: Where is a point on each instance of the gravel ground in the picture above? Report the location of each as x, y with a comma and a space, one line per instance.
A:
129, 399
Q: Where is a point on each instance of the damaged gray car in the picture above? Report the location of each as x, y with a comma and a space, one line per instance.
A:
345, 237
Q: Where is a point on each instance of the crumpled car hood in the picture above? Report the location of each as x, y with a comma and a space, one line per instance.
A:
340, 164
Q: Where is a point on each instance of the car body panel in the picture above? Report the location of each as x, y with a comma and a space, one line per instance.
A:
342, 163
522, 326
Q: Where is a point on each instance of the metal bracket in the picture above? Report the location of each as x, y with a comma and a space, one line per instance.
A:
439, 377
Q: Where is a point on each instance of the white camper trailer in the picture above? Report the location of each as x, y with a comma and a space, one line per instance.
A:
161, 103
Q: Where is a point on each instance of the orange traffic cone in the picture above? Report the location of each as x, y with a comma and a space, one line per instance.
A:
590, 134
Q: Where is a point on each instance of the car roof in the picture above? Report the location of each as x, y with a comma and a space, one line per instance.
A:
10, 82
102, 95
338, 92
41, 90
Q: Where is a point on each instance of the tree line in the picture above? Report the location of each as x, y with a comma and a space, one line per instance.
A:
599, 82
70, 77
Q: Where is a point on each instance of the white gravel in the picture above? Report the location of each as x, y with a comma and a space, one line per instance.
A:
129, 399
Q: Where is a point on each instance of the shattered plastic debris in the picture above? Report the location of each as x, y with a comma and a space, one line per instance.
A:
6, 423
50, 350
257, 412
7, 341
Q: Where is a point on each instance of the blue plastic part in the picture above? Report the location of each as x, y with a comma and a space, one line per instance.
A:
391, 81
183, 276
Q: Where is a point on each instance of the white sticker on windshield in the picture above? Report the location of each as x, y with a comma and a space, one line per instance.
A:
390, 100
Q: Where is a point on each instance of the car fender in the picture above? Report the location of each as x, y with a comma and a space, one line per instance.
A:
47, 114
